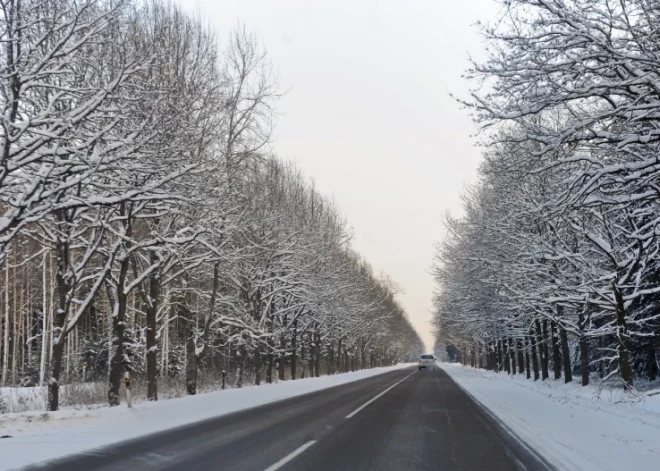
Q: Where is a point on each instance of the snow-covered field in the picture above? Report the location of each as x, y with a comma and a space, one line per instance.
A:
575, 428
39, 436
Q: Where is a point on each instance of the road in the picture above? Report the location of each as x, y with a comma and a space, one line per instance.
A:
401, 420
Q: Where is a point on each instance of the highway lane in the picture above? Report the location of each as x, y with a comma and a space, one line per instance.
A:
401, 420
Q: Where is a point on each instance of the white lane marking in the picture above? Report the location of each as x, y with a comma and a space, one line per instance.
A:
372, 400
289, 457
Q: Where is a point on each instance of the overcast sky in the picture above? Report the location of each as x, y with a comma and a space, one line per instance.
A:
368, 116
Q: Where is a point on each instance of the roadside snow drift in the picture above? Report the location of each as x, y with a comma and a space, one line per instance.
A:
41, 436
571, 426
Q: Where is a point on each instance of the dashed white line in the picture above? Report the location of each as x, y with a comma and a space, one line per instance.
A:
289, 457
297, 451
381, 394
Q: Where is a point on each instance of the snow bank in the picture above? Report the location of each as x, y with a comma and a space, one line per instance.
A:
22, 399
40, 436
575, 428
76, 395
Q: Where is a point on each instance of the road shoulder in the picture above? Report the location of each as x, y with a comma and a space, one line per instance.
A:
570, 426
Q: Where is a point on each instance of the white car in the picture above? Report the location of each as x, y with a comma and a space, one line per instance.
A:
427, 362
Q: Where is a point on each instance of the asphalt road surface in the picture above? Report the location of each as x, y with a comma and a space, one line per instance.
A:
398, 421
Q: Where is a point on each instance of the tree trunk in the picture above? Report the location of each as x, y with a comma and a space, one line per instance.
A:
311, 355
535, 359
339, 356
191, 360
240, 374
59, 317
543, 350
192, 364
152, 347
568, 371
257, 365
119, 317
116, 362
601, 367
317, 360
507, 356
281, 364
44, 324
622, 336
512, 355
527, 361
500, 362
495, 356
546, 348
556, 361
363, 356
269, 368
5, 348
652, 366
303, 357
294, 347
56, 369
584, 360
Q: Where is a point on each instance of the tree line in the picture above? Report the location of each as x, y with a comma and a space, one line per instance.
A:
145, 226
554, 262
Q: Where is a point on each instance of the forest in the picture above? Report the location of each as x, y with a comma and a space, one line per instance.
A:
147, 228
552, 269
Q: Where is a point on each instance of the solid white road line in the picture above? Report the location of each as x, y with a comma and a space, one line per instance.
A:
289, 457
372, 400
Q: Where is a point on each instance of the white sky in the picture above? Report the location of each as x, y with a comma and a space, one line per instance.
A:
368, 116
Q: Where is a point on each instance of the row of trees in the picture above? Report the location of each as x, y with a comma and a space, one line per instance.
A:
144, 226
555, 261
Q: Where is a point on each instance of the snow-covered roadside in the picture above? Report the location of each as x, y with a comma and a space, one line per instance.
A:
569, 425
40, 436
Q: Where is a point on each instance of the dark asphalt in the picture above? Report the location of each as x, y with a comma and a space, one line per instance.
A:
424, 423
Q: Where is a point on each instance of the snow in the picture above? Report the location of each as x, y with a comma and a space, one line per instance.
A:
575, 428
41, 436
